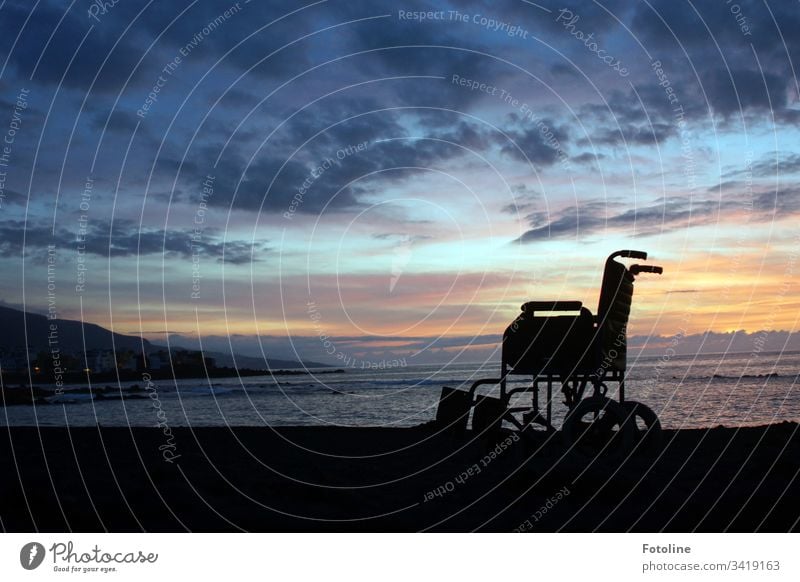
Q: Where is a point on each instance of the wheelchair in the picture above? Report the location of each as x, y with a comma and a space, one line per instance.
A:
562, 342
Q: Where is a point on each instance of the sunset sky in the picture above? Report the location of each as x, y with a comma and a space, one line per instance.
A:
396, 184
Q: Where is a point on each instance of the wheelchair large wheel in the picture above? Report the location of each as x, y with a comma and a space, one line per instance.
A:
645, 424
598, 428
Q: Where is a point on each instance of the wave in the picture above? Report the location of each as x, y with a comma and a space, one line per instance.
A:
216, 391
745, 376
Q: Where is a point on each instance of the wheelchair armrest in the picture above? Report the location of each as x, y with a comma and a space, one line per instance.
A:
636, 269
532, 306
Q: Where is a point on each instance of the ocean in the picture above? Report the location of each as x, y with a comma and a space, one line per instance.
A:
685, 391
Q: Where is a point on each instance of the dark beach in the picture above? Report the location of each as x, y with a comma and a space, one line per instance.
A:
392, 479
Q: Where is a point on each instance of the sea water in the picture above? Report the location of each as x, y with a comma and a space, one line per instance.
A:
685, 391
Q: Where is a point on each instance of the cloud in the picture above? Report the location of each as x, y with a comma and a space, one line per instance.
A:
541, 142
525, 198
588, 158
50, 47
770, 165
351, 151
126, 240
665, 214
779, 203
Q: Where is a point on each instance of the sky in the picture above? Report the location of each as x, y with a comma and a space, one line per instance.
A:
368, 181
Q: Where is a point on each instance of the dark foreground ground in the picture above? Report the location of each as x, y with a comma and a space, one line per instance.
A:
383, 479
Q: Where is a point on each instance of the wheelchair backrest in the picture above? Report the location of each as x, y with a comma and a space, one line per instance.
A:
613, 312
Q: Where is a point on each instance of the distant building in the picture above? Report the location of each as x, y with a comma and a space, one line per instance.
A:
100, 361
180, 360
127, 361
157, 360
17, 360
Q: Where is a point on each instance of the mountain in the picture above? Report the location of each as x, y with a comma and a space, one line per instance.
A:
71, 334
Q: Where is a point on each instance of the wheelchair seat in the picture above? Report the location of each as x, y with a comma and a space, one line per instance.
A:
564, 338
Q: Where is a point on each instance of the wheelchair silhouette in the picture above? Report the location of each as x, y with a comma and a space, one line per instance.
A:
562, 342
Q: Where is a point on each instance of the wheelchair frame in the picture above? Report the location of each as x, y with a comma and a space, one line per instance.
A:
602, 361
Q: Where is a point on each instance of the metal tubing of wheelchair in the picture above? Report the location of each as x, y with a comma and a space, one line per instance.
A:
519, 391
482, 382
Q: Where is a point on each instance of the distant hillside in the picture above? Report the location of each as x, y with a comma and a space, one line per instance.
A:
225, 359
71, 334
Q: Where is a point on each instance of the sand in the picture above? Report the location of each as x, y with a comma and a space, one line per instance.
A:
392, 479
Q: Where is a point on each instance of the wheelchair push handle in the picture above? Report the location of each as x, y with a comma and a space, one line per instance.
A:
636, 269
629, 254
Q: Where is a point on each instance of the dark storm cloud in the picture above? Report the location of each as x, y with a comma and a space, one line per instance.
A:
776, 163
598, 216
779, 203
641, 117
731, 92
588, 158
525, 199
125, 240
119, 121
52, 38
614, 115
727, 185
349, 155
542, 143
699, 25
630, 135
770, 165
729, 79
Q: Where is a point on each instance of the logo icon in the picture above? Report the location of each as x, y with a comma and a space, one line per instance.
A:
31, 555
400, 258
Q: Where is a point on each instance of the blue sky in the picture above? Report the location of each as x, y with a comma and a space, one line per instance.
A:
414, 180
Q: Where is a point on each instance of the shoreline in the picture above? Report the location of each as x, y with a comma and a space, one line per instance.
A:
392, 479
25, 394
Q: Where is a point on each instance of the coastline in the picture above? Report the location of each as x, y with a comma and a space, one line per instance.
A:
392, 479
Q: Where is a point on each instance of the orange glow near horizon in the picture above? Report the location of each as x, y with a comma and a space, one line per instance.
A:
703, 301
